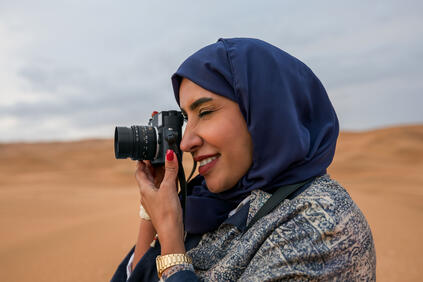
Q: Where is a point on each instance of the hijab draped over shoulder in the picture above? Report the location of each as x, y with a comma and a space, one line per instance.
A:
291, 120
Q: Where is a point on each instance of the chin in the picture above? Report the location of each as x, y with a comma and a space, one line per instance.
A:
216, 186
211, 185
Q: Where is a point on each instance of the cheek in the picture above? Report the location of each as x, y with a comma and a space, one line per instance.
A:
233, 142
224, 136
240, 155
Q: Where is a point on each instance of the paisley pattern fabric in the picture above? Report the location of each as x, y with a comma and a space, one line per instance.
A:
319, 235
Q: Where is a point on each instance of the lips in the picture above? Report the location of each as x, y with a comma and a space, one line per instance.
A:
206, 163
207, 160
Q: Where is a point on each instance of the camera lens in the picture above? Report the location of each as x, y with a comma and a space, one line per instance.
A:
136, 142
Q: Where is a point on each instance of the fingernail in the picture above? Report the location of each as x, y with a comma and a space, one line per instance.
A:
169, 155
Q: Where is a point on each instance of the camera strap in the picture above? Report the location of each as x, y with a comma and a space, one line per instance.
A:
277, 197
181, 177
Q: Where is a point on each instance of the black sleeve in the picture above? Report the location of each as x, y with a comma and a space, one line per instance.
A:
120, 273
145, 270
183, 276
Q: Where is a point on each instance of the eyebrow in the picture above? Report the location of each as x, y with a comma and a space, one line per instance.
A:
199, 102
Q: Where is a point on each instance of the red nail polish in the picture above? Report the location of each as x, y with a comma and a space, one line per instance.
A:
169, 155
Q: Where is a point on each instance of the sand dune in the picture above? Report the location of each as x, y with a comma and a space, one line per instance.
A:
69, 210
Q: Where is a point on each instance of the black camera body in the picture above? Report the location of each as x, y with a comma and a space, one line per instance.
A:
139, 142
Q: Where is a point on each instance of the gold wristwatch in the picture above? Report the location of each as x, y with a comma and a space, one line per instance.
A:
166, 261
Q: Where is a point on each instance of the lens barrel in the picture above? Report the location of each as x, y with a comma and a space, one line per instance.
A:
136, 142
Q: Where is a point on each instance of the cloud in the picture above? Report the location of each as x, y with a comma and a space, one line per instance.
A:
73, 69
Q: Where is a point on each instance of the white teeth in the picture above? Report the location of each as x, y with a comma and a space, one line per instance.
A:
206, 161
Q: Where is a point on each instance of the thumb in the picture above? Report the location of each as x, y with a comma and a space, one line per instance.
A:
171, 169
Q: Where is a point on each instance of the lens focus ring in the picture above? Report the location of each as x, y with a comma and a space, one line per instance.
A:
145, 142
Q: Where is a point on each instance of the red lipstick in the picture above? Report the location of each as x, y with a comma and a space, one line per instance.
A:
205, 168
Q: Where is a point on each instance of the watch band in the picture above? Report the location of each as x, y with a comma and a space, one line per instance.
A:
166, 261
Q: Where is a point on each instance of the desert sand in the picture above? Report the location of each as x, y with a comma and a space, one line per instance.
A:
69, 210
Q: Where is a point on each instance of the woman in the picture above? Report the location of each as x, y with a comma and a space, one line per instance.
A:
258, 121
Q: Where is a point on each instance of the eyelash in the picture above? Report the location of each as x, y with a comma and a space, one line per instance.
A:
204, 113
200, 114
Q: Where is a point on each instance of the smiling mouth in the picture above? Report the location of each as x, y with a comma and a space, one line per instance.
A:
207, 164
208, 160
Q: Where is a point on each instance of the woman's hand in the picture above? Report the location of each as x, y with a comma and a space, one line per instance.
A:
159, 198
146, 232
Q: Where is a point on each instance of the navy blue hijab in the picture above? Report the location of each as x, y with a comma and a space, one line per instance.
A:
291, 120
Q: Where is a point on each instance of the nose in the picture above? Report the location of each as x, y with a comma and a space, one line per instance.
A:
191, 141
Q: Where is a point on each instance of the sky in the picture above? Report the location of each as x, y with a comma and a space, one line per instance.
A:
76, 69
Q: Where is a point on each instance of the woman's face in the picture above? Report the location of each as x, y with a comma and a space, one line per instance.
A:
216, 135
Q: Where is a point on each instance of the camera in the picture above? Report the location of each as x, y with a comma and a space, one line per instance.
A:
151, 142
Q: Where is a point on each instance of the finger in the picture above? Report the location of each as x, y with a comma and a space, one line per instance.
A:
147, 190
142, 165
171, 170
149, 170
145, 167
142, 177
157, 173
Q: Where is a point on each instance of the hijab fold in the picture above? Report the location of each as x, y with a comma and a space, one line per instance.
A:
290, 118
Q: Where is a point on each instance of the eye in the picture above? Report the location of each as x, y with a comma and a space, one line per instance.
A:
204, 113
